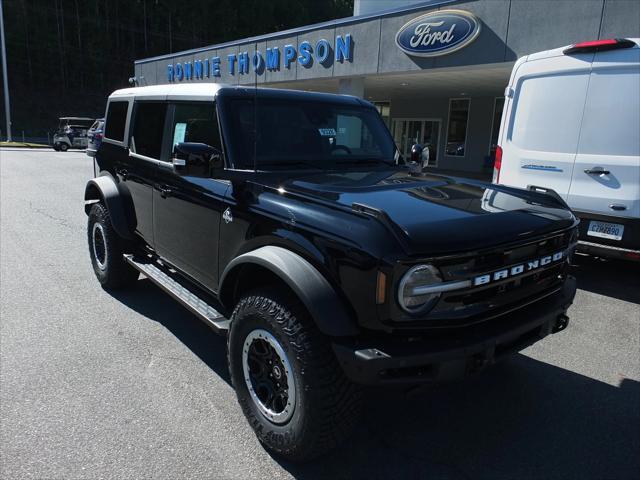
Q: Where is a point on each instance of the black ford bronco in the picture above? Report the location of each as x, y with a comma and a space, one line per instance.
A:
288, 221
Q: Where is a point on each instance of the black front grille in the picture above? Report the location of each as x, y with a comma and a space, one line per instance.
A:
473, 304
535, 282
483, 262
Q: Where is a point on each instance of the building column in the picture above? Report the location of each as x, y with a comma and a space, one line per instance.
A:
351, 86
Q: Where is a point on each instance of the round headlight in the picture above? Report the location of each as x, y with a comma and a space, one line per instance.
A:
413, 291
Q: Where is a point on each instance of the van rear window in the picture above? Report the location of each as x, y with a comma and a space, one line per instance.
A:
611, 124
116, 119
548, 112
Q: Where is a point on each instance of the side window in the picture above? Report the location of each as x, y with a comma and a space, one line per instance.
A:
116, 120
148, 126
548, 111
196, 122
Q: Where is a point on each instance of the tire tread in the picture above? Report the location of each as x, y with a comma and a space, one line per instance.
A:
337, 398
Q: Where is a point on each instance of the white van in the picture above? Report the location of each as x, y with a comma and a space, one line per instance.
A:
571, 123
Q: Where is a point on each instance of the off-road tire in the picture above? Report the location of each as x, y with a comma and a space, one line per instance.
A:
111, 270
327, 404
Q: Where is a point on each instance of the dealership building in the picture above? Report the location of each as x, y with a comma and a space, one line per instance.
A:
436, 70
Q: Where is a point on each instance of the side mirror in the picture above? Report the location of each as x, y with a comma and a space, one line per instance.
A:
417, 163
196, 159
416, 152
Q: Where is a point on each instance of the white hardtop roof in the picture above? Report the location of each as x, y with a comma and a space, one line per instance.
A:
182, 90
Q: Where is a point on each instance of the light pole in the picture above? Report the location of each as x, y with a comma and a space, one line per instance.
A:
4, 76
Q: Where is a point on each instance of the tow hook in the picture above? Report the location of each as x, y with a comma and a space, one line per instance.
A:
561, 323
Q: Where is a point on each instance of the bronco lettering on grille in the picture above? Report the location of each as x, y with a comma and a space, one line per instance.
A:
517, 269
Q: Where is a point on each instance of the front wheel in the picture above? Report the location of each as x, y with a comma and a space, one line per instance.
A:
287, 379
63, 147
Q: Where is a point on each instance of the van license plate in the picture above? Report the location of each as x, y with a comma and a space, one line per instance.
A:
612, 231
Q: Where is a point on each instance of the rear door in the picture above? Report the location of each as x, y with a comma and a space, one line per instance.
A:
140, 169
606, 178
541, 123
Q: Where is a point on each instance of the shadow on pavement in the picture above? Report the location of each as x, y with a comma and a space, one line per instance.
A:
520, 419
612, 278
153, 303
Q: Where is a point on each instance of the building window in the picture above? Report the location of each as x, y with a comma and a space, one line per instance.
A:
498, 107
457, 128
384, 108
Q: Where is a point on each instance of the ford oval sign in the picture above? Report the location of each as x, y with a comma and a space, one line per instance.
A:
438, 33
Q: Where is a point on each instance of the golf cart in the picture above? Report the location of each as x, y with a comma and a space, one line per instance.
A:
72, 133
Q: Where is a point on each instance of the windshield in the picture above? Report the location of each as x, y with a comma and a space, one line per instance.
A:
293, 133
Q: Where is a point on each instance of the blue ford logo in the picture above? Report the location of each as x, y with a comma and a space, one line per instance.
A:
438, 33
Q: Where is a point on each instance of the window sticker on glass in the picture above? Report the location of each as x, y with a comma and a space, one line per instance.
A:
327, 132
179, 133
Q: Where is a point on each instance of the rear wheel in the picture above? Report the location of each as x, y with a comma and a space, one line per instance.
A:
106, 250
287, 379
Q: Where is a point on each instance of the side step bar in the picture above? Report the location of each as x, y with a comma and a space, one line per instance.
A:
179, 292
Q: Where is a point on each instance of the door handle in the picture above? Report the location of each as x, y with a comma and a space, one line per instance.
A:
164, 191
596, 171
617, 207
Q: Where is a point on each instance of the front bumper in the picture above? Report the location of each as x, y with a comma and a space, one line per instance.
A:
456, 353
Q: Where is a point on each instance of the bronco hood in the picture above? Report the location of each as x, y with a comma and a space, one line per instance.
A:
434, 214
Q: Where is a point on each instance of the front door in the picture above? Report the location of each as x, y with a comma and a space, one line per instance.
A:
425, 132
186, 209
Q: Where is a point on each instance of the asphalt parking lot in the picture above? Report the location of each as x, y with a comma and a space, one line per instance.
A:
130, 385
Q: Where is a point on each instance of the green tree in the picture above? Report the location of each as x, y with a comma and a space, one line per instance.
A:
65, 56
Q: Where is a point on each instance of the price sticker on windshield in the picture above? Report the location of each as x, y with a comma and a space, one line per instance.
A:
327, 132
179, 133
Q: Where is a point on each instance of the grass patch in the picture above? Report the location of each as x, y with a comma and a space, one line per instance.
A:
23, 145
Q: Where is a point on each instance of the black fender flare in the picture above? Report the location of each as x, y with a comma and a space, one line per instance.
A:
311, 287
104, 189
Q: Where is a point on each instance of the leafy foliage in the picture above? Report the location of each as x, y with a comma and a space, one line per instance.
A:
66, 56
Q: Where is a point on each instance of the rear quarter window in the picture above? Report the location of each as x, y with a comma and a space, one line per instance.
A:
548, 112
116, 120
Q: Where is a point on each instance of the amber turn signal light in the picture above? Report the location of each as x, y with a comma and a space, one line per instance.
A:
381, 288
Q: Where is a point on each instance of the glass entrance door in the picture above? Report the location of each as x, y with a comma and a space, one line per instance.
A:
424, 131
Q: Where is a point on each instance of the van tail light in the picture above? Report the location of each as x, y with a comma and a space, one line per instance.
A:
599, 46
497, 164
